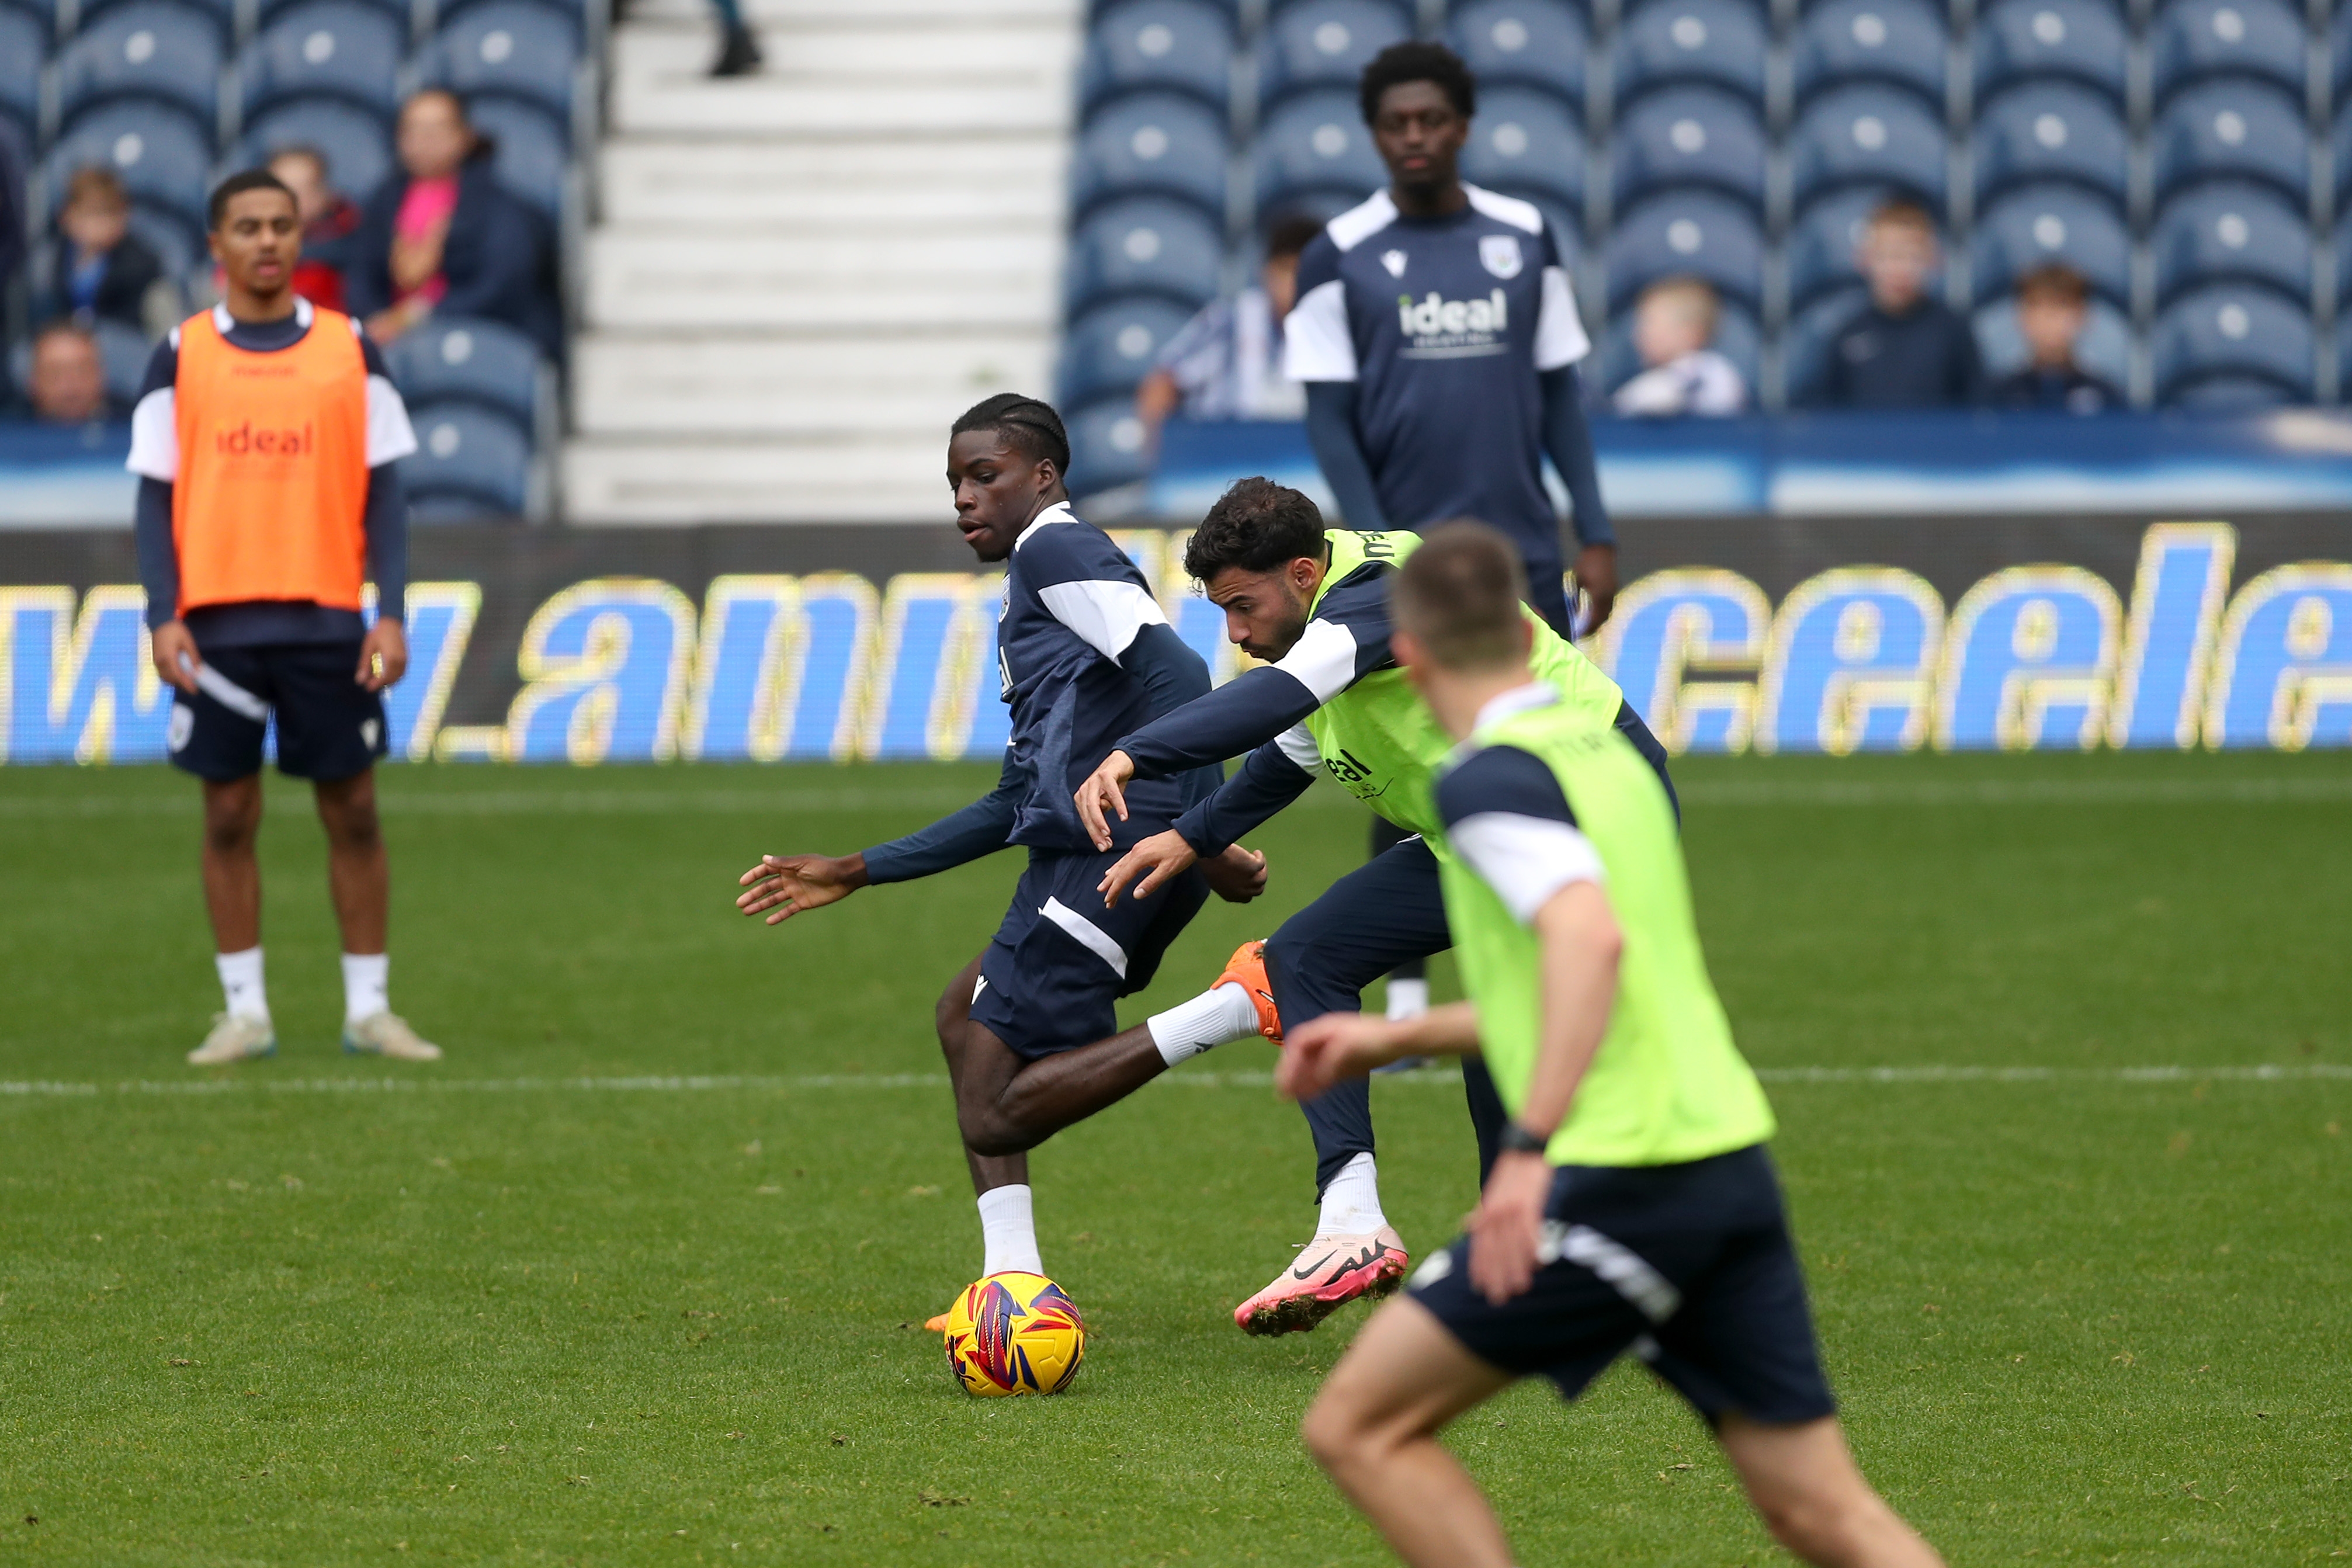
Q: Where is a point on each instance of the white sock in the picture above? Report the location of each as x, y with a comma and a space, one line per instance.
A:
1351, 1203
1008, 1229
240, 978
1408, 998
367, 978
1209, 1019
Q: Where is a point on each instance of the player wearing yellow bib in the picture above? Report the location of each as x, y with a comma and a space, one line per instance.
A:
1634, 1207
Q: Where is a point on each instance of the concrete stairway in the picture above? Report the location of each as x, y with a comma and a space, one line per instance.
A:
797, 280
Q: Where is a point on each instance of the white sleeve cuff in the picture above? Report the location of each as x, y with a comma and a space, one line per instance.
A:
1559, 330
389, 433
155, 436
1526, 860
1316, 344
1323, 660
1107, 614
1297, 744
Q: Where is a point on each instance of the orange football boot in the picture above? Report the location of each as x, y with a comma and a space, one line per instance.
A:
1247, 969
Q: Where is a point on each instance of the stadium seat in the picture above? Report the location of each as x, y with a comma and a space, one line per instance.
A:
513, 48
2240, 130
2192, 39
124, 351
400, 11
1110, 349
1145, 245
1737, 339
1819, 247
2339, 47
2030, 40
2230, 230
1900, 41
1325, 44
1805, 343
355, 141
461, 360
1108, 446
2344, 266
1315, 146
324, 48
1869, 134
1181, 46
532, 156
2050, 131
1667, 42
1526, 142
469, 463
2343, 141
1156, 141
1541, 44
1694, 234
1686, 136
85, 16
2237, 330
24, 45
163, 157
2229, 395
2103, 349
153, 50
2036, 224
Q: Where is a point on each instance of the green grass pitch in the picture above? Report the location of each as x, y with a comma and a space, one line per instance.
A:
556, 1301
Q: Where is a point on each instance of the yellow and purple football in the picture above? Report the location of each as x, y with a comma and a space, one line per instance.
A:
1015, 1333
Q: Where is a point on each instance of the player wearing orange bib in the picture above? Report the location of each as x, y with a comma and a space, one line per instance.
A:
265, 439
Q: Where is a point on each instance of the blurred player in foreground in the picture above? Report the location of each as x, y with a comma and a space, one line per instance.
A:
1085, 654
266, 439
1634, 1206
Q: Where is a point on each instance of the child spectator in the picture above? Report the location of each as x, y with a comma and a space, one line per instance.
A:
443, 235
1226, 362
1904, 349
1674, 326
329, 221
99, 270
2052, 304
67, 382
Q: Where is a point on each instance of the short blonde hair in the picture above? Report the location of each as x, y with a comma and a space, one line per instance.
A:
1695, 297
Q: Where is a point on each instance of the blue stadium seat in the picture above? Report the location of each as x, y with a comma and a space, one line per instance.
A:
1145, 245
88, 14
469, 463
1821, 245
1667, 42
2226, 229
400, 11
1737, 339
1183, 45
1531, 43
459, 359
1108, 446
2237, 330
1325, 44
1315, 146
1694, 234
2192, 39
2028, 40
24, 45
1686, 136
355, 141
1151, 142
1899, 41
2344, 150
163, 157
1805, 343
2036, 224
2339, 45
533, 153
513, 48
155, 49
324, 48
1567, 223
2240, 130
1110, 349
124, 351
1526, 142
2103, 349
1869, 134
2050, 131
2230, 395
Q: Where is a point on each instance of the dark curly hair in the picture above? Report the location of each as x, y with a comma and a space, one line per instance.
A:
1418, 60
1257, 525
1030, 427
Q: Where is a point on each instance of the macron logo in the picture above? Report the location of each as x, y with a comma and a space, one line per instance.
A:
1395, 261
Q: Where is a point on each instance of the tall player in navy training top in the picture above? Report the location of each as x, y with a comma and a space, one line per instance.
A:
1086, 655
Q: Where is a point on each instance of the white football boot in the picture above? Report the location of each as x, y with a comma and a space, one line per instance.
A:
387, 1035
235, 1037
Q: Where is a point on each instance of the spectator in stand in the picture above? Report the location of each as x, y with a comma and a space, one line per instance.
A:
99, 270
2053, 303
1674, 326
1904, 349
1226, 362
67, 382
442, 234
329, 218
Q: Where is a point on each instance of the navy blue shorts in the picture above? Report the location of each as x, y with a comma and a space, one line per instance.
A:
1059, 964
329, 727
1689, 1267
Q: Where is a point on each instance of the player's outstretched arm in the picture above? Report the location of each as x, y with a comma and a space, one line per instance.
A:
1324, 1051
783, 886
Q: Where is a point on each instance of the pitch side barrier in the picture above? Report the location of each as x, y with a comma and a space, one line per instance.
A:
1732, 634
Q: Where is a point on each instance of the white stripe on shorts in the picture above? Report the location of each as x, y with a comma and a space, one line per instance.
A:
1087, 934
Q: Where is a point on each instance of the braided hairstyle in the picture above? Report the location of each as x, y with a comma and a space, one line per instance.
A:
1027, 426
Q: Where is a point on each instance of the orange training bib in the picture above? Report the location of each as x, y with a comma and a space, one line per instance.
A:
271, 497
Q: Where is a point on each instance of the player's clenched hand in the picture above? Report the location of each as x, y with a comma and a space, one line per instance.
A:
1507, 1227
794, 884
167, 644
1237, 875
384, 656
1157, 858
1103, 793
1596, 576
1323, 1052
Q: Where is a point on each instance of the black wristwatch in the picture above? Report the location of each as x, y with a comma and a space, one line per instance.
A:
1518, 1140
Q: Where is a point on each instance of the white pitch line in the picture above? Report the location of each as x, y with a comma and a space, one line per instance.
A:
784, 1083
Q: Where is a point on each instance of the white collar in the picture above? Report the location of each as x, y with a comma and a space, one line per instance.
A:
1058, 512
1524, 698
224, 322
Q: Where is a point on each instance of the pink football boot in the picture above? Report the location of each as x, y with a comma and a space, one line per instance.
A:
1330, 1272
